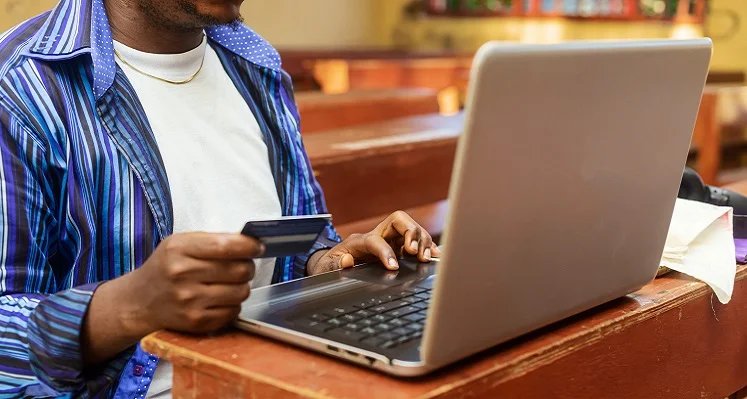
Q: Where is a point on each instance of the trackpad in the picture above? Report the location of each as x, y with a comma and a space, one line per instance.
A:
376, 273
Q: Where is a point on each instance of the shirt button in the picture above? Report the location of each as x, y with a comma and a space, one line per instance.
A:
137, 370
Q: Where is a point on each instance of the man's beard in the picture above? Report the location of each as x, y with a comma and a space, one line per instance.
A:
196, 20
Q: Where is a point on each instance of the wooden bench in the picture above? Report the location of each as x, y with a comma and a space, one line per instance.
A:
375, 169
716, 134
300, 63
320, 111
337, 76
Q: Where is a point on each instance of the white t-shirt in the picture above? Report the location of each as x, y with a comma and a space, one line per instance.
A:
215, 156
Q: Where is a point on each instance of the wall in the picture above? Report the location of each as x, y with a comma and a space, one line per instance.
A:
285, 23
15, 11
729, 36
315, 23
366, 23
730, 45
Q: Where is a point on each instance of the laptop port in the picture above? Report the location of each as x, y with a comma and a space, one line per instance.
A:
371, 360
351, 353
332, 348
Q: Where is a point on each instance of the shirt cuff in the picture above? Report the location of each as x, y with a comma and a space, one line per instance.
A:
327, 240
54, 337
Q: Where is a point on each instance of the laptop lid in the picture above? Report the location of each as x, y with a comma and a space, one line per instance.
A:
564, 184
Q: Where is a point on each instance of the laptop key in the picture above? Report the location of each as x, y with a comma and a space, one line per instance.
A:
400, 331
402, 311
320, 317
414, 317
335, 322
364, 305
383, 327
423, 296
398, 322
367, 322
388, 306
410, 300
351, 317
353, 326
368, 331
423, 313
340, 310
380, 318
421, 305
363, 314
411, 331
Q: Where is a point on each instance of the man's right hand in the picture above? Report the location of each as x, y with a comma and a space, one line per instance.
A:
193, 282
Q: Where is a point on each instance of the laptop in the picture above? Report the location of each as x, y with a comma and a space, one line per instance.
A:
563, 188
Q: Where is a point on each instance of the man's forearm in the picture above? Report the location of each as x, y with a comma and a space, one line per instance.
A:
113, 322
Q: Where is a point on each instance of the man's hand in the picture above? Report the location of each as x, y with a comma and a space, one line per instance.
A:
396, 234
192, 283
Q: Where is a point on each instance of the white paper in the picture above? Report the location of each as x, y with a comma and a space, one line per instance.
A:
700, 244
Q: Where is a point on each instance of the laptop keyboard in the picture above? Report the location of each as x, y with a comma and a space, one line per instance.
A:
383, 321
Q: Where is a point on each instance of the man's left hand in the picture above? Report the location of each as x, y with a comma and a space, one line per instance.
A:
396, 235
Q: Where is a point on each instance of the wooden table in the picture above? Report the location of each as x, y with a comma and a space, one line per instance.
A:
671, 339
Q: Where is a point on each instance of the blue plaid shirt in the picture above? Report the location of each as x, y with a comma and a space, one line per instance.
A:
84, 196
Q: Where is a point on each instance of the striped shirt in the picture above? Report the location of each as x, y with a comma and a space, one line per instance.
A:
84, 196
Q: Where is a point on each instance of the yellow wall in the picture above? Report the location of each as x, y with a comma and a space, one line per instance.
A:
15, 11
286, 23
314, 23
730, 47
357, 23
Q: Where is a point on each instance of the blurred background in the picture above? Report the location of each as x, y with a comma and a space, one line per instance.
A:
371, 75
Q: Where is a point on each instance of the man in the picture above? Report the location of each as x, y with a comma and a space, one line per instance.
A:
137, 136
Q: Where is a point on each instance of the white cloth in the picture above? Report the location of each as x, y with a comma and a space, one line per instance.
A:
700, 243
212, 147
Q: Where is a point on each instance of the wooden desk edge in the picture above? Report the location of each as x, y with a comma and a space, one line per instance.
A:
158, 344
181, 357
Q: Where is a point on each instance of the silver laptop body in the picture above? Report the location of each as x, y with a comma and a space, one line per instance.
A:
563, 187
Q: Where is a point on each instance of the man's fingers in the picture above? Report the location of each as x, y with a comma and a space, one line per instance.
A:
377, 246
224, 295
435, 252
209, 320
412, 243
424, 248
226, 272
356, 248
396, 225
214, 246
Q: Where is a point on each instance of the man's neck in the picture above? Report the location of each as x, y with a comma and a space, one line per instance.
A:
131, 27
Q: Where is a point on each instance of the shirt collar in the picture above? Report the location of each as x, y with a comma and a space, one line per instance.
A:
76, 27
